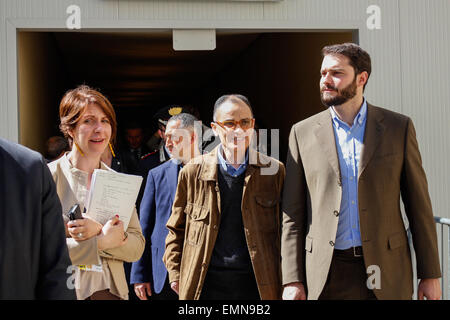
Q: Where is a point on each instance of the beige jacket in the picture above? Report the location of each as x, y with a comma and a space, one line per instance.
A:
69, 181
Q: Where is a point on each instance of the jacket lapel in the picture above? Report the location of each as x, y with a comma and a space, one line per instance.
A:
372, 136
208, 170
171, 179
325, 136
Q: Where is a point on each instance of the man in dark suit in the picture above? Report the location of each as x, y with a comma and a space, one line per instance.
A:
135, 148
347, 168
34, 260
149, 274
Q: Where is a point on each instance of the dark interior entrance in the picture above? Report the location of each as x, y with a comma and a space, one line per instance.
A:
140, 73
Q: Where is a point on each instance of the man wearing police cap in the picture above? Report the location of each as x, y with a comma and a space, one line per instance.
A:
160, 155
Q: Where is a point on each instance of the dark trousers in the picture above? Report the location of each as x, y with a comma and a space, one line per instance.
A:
131, 294
224, 284
347, 278
166, 293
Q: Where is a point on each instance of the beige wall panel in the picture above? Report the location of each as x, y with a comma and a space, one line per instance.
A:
425, 53
190, 10
56, 9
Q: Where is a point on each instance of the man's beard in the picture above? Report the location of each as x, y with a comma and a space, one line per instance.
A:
342, 96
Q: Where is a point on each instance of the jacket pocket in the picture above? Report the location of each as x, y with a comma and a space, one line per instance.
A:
266, 212
397, 240
196, 223
266, 202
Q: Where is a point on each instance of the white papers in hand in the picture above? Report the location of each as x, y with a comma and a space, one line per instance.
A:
111, 194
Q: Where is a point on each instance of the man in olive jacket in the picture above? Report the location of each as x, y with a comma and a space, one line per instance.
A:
34, 259
224, 237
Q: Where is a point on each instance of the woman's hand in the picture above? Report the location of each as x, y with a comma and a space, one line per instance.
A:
112, 235
83, 229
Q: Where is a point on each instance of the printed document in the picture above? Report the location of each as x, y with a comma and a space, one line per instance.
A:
111, 194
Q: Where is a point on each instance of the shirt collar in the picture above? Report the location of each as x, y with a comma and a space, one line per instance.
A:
176, 161
227, 166
66, 162
359, 119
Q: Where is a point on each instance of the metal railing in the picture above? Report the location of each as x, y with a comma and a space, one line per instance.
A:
443, 225
442, 229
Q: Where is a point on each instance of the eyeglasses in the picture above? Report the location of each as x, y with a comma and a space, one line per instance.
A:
232, 124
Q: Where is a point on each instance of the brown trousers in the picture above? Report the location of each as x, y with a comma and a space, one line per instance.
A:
347, 278
103, 295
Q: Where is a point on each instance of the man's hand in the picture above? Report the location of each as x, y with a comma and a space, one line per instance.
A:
430, 289
174, 286
294, 291
143, 290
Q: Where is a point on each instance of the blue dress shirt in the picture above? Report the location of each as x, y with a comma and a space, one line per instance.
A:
349, 143
228, 167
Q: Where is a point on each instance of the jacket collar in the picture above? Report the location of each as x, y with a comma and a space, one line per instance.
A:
171, 176
209, 161
372, 137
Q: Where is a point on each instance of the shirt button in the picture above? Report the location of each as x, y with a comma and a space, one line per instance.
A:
336, 213
331, 243
215, 227
353, 202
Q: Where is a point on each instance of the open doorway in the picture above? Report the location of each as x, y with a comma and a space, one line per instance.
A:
140, 73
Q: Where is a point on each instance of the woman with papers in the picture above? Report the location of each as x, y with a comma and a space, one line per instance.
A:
97, 249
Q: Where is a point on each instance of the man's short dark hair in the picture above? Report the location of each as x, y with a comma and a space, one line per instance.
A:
186, 120
235, 98
359, 58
